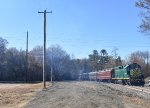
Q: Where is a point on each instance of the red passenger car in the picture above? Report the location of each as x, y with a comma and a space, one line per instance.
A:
105, 75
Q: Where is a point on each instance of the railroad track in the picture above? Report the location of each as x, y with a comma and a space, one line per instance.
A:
136, 88
142, 89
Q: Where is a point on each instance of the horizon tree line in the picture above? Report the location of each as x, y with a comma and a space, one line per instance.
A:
13, 63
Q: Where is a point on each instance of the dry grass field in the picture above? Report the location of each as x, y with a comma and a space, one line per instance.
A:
17, 95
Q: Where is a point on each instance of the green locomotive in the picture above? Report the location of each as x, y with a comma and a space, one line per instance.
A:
129, 74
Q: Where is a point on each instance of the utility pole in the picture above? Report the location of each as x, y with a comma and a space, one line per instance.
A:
147, 59
44, 46
27, 58
52, 66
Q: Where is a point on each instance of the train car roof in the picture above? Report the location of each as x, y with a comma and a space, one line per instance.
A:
85, 73
92, 72
121, 67
104, 70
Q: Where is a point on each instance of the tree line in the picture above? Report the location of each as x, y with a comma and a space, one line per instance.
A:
13, 63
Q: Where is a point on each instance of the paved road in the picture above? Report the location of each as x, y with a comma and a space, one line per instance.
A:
83, 95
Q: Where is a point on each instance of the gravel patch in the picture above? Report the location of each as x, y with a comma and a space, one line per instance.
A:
85, 95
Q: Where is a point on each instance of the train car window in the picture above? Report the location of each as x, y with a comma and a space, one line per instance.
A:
120, 67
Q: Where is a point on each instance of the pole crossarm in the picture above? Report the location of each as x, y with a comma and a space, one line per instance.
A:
44, 12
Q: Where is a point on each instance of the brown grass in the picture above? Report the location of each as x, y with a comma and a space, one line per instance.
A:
17, 95
140, 103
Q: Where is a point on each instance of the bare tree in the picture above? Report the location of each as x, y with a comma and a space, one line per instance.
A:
116, 61
94, 59
142, 58
3, 43
145, 14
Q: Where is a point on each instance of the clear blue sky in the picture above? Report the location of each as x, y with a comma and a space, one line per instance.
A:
79, 26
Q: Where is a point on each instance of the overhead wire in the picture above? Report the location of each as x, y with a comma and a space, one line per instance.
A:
68, 41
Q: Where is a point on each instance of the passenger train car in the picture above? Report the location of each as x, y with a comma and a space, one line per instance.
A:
105, 75
84, 76
93, 76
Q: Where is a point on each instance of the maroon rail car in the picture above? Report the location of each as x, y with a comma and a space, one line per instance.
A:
105, 75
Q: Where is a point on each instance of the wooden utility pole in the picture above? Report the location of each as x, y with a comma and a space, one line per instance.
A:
147, 58
52, 66
44, 46
27, 58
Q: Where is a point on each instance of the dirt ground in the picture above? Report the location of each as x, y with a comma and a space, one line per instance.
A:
17, 95
85, 95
